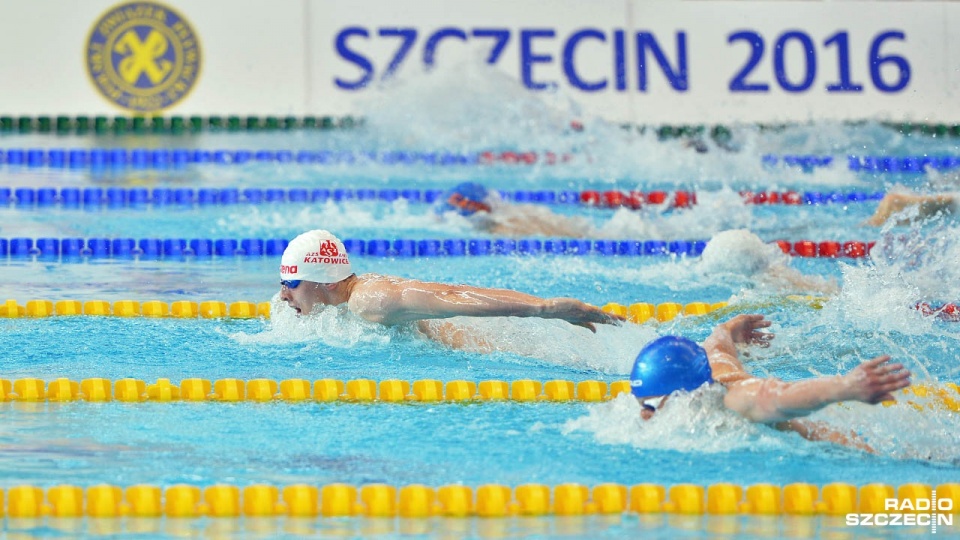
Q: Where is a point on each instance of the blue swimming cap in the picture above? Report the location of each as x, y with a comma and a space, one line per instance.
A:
466, 199
668, 364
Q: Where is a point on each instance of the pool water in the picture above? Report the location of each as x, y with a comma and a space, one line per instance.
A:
510, 443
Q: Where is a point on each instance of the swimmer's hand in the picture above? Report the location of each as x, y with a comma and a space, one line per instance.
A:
578, 313
745, 329
875, 380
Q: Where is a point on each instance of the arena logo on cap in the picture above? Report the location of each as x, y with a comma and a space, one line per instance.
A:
328, 253
143, 56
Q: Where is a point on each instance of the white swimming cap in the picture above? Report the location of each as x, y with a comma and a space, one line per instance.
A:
741, 252
315, 256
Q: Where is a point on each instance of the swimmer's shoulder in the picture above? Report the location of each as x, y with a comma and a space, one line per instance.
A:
375, 291
375, 281
370, 296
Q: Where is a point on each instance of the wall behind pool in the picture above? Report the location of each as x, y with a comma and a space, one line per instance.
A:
630, 61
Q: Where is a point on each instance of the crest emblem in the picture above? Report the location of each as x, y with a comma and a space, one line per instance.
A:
143, 57
328, 249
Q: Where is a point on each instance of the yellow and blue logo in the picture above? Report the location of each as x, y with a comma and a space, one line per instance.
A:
143, 56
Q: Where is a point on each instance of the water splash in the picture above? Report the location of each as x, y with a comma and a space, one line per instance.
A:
688, 420
610, 351
699, 420
464, 106
741, 254
334, 326
467, 105
343, 218
715, 211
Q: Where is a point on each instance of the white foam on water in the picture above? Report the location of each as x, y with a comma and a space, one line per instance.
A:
397, 215
687, 420
921, 264
699, 420
333, 326
463, 106
467, 105
753, 268
611, 349
715, 211
914, 428
741, 254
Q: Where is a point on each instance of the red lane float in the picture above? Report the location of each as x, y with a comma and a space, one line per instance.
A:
772, 197
635, 200
523, 158
946, 312
855, 250
591, 198
826, 249
656, 197
805, 248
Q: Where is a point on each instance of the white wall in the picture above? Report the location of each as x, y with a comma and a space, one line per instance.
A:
281, 58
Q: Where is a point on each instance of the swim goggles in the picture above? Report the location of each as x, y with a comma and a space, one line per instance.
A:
651, 403
467, 205
290, 283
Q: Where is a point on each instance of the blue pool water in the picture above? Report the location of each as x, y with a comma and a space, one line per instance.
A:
690, 441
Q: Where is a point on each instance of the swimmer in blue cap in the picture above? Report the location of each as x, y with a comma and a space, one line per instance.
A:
486, 211
466, 199
675, 364
667, 365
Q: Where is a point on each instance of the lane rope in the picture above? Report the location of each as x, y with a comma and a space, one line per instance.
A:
178, 125
224, 500
112, 198
916, 164
179, 249
130, 390
176, 158
173, 125
638, 312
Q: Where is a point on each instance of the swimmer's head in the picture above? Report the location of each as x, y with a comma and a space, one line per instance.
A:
466, 199
668, 364
316, 256
740, 252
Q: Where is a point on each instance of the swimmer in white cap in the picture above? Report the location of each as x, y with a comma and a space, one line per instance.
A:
675, 364
743, 253
315, 270
908, 207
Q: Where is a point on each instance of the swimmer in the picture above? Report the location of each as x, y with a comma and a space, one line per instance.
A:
486, 211
926, 206
741, 252
671, 364
315, 270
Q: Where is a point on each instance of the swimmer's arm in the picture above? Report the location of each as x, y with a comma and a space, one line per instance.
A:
415, 300
927, 206
721, 346
772, 400
819, 431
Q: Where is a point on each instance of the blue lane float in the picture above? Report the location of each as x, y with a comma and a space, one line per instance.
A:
208, 248
139, 198
874, 164
144, 158
175, 158
903, 164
